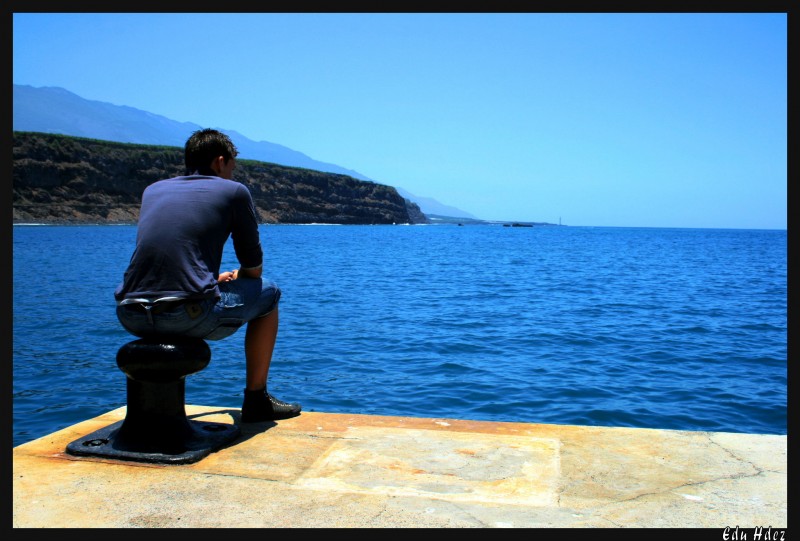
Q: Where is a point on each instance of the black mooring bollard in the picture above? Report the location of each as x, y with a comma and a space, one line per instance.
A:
155, 428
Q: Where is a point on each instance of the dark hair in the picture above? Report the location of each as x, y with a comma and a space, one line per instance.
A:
204, 146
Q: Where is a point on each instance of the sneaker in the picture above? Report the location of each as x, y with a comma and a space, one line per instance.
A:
261, 406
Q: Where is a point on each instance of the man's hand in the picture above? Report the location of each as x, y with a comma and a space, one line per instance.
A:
227, 276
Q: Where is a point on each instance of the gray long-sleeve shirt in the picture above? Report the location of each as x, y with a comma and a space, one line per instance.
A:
184, 223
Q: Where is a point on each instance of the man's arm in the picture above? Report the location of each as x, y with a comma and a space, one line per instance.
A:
254, 272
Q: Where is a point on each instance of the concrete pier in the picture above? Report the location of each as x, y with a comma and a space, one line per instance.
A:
324, 470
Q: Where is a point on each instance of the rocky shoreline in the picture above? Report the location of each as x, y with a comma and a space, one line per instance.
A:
63, 180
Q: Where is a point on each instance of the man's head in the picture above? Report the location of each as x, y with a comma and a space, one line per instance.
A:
210, 152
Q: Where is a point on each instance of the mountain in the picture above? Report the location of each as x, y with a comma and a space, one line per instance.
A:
431, 206
55, 110
59, 111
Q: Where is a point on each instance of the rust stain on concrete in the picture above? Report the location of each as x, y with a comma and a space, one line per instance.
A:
449, 466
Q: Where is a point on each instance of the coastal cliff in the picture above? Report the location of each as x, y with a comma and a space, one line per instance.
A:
59, 179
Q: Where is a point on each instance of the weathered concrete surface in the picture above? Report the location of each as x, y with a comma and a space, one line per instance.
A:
338, 470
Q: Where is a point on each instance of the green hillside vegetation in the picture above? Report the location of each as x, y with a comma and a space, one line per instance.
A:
59, 179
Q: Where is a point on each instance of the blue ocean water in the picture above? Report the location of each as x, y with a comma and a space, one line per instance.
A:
636, 327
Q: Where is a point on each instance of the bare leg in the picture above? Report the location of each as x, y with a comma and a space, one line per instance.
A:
259, 342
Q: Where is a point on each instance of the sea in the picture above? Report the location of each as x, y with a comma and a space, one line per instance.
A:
680, 329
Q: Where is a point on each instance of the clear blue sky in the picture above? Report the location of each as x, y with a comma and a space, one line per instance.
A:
615, 119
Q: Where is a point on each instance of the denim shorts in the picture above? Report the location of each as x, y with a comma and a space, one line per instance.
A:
241, 300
